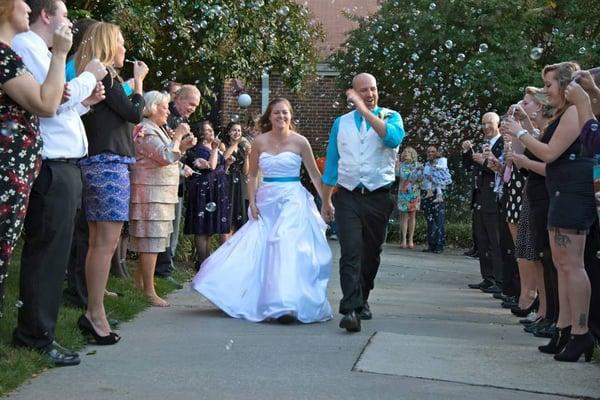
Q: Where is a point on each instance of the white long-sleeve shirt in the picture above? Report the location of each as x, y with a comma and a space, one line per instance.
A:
63, 135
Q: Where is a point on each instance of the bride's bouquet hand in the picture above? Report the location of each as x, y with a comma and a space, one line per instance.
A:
254, 211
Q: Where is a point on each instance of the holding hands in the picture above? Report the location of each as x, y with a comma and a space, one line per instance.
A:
327, 211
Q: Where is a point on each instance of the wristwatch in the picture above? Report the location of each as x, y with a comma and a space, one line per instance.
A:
521, 132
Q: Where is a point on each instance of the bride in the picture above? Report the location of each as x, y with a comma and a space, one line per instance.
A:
278, 264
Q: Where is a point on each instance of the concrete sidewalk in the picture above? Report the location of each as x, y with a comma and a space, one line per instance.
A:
431, 338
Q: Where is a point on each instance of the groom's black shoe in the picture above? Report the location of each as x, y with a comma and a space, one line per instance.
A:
365, 313
350, 322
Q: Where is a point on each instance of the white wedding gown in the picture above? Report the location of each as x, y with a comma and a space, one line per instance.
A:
279, 263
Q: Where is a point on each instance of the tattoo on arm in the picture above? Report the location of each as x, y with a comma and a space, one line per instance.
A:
560, 239
583, 320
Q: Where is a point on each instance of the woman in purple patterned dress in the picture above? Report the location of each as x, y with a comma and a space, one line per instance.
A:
208, 207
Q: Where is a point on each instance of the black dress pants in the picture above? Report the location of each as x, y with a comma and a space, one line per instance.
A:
76, 292
55, 197
488, 237
361, 221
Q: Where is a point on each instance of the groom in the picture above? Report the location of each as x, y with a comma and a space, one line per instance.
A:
362, 150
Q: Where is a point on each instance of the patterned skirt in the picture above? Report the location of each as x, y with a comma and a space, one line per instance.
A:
514, 197
525, 244
106, 187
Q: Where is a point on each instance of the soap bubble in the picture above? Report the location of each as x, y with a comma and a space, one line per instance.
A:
536, 53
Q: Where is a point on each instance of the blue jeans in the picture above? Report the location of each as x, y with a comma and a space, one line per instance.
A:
435, 214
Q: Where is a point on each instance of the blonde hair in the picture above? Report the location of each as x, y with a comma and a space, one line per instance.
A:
100, 41
265, 124
152, 99
540, 98
413, 154
564, 76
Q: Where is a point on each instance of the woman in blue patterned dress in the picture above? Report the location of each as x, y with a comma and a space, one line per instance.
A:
105, 172
208, 207
408, 172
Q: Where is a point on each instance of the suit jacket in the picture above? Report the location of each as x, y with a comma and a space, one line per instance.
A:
484, 198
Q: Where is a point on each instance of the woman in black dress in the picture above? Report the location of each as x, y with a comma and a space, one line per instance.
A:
236, 156
571, 210
208, 208
22, 99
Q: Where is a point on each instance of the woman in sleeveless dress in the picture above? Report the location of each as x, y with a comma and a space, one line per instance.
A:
278, 264
571, 212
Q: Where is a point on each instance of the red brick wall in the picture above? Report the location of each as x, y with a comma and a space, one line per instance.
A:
314, 107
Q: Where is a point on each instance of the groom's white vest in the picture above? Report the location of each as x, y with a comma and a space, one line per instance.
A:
363, 156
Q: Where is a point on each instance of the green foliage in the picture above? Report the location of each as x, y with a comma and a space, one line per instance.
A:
205, 42
443, 64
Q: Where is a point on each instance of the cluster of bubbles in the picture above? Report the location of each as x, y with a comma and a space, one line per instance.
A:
198, 28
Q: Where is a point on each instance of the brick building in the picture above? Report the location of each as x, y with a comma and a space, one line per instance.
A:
316, 106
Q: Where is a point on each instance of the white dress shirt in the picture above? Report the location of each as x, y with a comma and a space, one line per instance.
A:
63, 135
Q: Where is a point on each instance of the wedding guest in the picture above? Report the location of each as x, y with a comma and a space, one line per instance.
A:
56, 193
22, 99
435, 178
486, 203
106, 169
183, 104
570, 188
208, 207
409, 173
237, 152
154, 181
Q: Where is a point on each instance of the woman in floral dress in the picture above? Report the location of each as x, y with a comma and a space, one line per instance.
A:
408, 173
22, 99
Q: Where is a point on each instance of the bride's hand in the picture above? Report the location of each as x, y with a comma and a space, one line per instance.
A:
254, 211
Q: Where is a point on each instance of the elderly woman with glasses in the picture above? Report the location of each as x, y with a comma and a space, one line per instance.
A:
154, 182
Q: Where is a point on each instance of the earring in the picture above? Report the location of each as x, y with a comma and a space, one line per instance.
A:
534, 115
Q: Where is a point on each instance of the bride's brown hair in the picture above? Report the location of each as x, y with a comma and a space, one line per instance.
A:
264, 123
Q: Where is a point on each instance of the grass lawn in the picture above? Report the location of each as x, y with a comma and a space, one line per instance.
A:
19, 365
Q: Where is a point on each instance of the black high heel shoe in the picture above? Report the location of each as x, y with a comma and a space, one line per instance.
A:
558, 342
520, 312
576, 346
86, 328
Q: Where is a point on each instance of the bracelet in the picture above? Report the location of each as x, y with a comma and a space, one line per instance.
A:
521, 133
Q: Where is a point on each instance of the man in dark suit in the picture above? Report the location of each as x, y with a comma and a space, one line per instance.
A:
486, 203
182, 106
